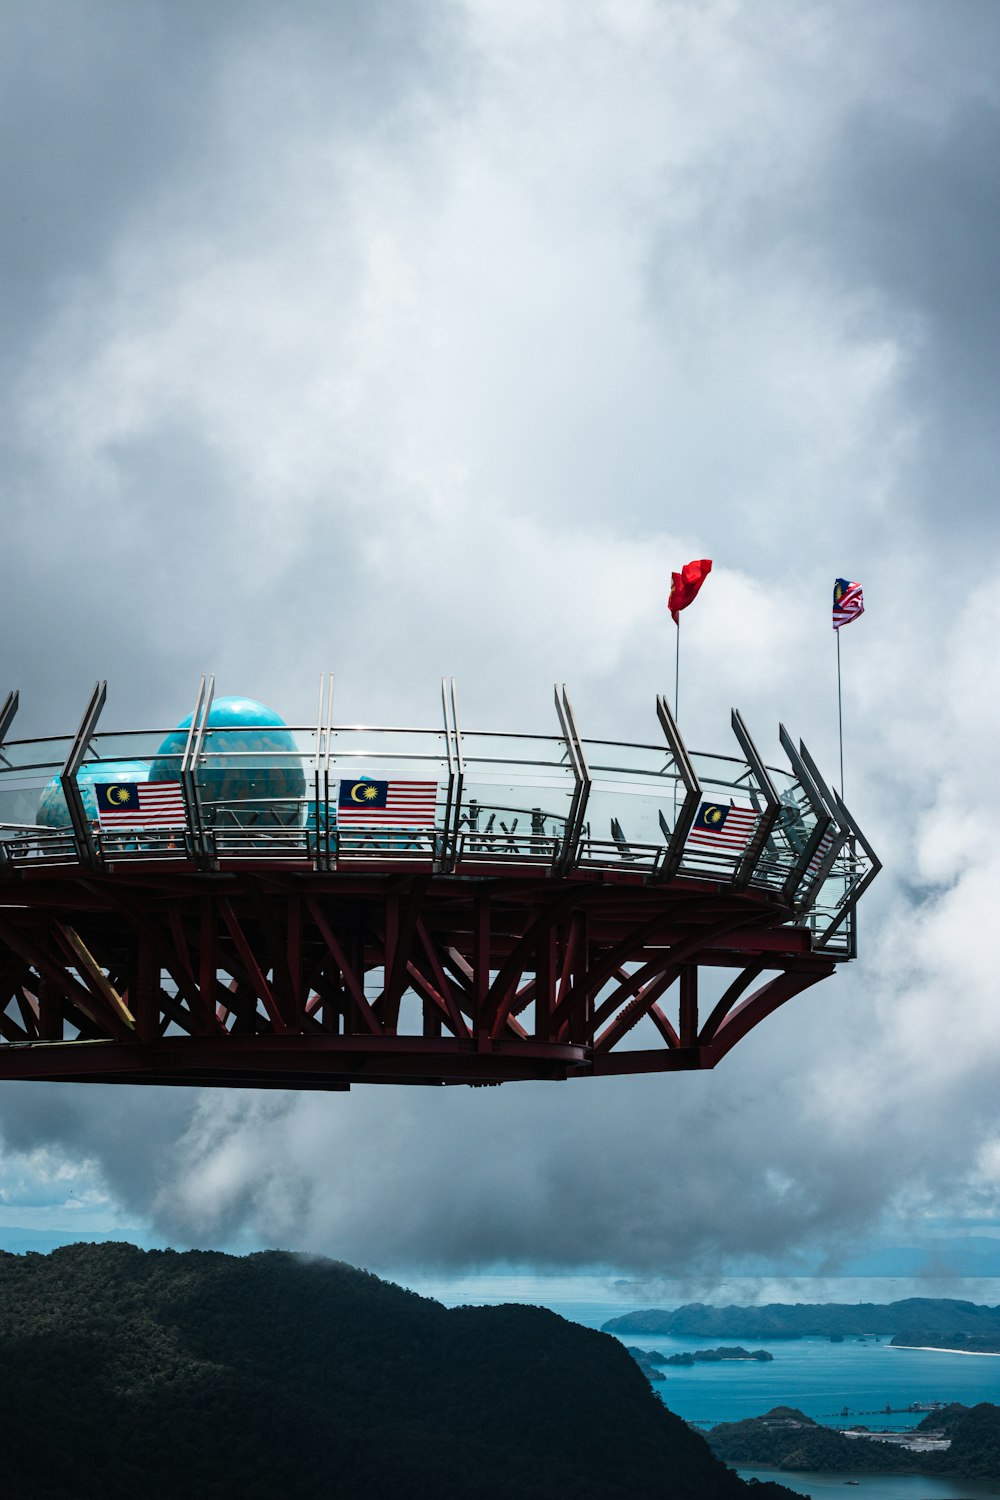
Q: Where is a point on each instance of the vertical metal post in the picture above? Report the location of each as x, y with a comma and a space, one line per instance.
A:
812, 887
567, 856
840, 718
452, 829
765, 786
677, 669
321, 774
187, 784
192, 756
329, 849
6, 719
7, 713
823, 815
82, 835
317, 763
692, 790
443, 854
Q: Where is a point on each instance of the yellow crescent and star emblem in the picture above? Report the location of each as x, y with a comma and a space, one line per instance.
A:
119, 796
363, 791
713, 815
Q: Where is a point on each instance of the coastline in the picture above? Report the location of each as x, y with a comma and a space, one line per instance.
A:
941, 1349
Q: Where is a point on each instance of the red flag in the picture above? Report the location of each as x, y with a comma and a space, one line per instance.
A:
684, 585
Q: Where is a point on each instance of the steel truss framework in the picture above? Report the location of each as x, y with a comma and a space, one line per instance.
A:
296, 963
260, 981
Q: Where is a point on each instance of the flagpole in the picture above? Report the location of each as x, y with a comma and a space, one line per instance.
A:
677, 668
840, 717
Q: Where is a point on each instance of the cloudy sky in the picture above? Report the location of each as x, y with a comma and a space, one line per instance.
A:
427, 336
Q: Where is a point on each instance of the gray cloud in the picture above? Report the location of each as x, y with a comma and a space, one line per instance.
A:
412, 339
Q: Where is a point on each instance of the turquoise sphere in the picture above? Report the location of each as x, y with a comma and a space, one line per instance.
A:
257, 776
52, 809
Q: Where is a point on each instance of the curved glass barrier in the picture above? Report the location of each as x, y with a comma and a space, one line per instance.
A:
445, 800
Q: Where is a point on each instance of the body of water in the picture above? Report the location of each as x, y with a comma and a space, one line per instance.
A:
820, 1379
814, 1375
875, 1486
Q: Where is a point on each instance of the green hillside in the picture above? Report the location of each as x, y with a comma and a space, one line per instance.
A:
785, 1438
126, 1373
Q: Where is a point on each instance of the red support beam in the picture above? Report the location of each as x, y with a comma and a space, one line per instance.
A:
689, 1005
278, 961
354, 984
253, 969
762, 1003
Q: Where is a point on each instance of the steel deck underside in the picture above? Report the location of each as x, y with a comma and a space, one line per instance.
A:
304, 980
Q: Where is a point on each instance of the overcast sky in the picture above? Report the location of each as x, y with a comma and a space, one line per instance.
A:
421, 338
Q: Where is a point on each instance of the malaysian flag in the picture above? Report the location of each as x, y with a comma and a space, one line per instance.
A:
848, 602
140, 804
386, 804
722, 828
823, 849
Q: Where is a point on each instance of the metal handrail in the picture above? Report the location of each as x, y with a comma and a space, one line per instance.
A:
570, 804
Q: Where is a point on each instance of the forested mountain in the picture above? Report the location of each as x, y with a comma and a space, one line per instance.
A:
930, 1319
787, 1439
125, 1373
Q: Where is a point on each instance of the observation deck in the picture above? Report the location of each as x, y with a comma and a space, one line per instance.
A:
246, 903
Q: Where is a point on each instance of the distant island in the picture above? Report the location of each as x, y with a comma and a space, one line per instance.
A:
958, 1441
648, 1360
713, 1356
698, 1356
915, 1321
129, 1373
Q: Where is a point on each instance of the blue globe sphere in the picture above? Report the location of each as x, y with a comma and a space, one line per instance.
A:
52, 809
255, 762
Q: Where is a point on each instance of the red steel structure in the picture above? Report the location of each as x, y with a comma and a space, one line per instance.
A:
558, 920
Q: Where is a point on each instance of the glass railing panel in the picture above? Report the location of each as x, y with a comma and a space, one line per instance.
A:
352, 748
259, 797
729, 812
29, 782
722, 770
634, 800
137, 744
21, 794
25, 754
831, 915
388, 793
529, 750
246, 776
517, 795
603, 756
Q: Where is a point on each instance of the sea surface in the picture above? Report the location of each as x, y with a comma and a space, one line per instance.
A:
875, 1486
819, 1377
822, 1379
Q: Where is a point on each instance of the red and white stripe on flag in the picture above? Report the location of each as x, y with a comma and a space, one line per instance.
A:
722, 828
822, 850
848, 602
408, 804
141, 804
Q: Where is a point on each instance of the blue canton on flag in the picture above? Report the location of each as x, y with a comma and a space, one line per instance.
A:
399, 804
722, 827
140, 804
848, 602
